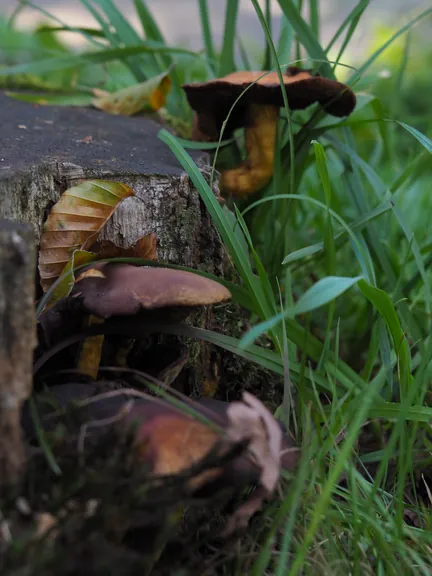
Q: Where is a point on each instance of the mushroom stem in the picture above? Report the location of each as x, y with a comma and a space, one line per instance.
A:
257, 170
91, 351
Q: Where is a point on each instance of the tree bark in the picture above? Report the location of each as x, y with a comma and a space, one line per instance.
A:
17, 341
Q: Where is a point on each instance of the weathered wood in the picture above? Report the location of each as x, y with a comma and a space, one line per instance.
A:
44, 150
17, 341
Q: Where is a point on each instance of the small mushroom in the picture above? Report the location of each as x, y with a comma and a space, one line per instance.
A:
258, 112
122, 289
106, 290
170, 441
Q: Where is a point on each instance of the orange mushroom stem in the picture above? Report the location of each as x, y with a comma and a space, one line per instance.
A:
257, 170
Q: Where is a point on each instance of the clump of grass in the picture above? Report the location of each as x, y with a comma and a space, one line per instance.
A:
333, 259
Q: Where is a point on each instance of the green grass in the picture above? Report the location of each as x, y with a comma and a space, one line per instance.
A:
333, 259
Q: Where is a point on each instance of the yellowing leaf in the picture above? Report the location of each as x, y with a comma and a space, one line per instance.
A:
74, 223
63, 289
150, 94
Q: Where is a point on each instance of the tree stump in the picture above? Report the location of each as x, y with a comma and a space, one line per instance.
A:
45, 150
17, 341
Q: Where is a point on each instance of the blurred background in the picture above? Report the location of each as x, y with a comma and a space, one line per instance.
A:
180, 23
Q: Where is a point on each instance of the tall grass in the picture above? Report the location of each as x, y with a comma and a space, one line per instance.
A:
334, 262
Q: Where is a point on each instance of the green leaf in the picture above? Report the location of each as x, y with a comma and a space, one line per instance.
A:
322, 170
66, 281
323, 292
192, 145
118, 32
305, 252
384, 305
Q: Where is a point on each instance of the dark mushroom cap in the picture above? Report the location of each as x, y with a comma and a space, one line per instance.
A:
107, 290
212, 100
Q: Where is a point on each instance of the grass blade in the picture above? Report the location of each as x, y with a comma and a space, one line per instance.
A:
148, 23
86, 58
324, 291
357, 75
227, 60
355, 14
206, 31
422, 138
306, 36
314, 17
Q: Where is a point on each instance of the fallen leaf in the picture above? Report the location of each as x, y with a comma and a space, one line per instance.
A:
251, 420
86, 139
74, 222
145, 247
45, 525
150, 94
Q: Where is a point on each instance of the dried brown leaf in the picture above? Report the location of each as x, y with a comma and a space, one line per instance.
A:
145, 247
251, 420
150, 94
74, 222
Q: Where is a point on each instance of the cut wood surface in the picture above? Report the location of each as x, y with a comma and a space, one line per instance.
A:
45, 150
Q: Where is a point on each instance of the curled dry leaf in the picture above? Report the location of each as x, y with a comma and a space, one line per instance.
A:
150, 94
64, 287
145, 247
251, 420
45, 526
74, 223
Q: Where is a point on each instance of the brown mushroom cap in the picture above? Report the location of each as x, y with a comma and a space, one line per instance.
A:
121, 289
212, 100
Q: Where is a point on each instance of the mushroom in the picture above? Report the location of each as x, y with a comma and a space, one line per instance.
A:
170, 441
106, 290
122, 289
258, 112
